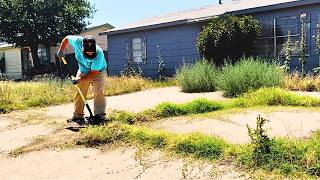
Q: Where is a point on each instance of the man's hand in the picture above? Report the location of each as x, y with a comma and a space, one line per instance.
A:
75, 80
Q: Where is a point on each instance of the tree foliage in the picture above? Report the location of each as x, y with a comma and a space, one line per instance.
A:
28, 23
228, 37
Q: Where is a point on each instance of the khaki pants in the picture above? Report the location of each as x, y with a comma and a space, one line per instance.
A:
98, 83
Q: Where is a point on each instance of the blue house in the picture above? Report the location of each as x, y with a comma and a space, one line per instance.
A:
174, 35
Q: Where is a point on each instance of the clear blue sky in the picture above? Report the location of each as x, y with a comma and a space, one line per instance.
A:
121, 12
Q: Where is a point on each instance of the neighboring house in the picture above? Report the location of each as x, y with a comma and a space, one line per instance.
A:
18, 61
176, 33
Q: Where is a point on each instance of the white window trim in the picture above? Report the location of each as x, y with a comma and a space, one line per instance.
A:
143, 50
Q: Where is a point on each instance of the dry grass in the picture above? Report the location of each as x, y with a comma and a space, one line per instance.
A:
51, 91
295, 82
122, 85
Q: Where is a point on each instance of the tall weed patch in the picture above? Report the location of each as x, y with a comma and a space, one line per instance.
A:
249, 74
200, 77
295, 82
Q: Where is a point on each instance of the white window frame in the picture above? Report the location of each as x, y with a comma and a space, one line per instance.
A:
138, 50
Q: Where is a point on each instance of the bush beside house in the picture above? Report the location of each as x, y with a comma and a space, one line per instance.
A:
201, 77
228, 37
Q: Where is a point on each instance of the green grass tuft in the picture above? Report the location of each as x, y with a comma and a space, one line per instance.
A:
97, 135
191, 144
200, 145
194, 107
122, 116
275, 97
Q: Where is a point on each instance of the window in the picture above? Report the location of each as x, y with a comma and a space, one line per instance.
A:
2, 63
283, 26
44, 55
138, 50
265, 46
275, 35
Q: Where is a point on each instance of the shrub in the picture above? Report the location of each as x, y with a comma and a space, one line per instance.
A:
228, 37
249, 74
200, 77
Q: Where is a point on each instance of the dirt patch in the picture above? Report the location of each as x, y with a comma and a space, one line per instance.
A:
14, 138
304, 93
290, 124
4, 123
121, 163
139, 101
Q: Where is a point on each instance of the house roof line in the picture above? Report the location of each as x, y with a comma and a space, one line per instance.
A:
107, 25
174, 23
4, 46
207, 12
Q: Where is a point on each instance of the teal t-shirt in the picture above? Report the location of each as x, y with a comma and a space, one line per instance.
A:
86, 65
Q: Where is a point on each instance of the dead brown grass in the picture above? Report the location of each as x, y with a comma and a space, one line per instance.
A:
295, 82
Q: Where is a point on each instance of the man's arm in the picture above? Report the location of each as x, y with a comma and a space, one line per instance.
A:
63, 46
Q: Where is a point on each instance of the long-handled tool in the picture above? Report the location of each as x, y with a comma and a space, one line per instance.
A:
91, 118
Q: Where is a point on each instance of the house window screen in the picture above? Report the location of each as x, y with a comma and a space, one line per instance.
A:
283, 26
274, 35
265, 46
138, 50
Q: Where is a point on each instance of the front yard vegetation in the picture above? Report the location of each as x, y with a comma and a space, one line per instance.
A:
46, 91
284, 157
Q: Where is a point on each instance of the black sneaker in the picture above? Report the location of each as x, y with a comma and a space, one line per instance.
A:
97, 120
79, 121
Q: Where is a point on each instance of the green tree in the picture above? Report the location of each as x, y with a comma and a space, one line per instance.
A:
303, 45
228, 37
28, 23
